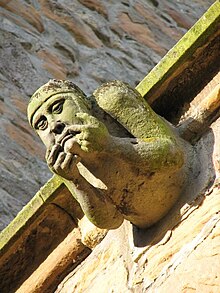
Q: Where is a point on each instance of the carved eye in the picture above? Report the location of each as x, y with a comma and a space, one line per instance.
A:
41, 124
57, 108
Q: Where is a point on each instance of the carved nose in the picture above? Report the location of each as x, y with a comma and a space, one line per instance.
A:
57, 127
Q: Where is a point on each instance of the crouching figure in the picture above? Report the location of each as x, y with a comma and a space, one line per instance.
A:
118, 158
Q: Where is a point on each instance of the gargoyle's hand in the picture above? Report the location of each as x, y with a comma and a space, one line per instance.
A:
92, 135
62, 163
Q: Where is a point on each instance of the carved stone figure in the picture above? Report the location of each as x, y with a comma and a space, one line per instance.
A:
118, 158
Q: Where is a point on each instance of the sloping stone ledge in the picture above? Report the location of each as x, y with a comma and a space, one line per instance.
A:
179, 76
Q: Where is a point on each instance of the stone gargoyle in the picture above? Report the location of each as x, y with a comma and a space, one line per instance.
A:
119, 159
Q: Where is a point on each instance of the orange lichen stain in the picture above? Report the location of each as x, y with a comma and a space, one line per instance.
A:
19, 104
26, 12
139, 32
81, 32
53, 64
5, 110
156, 21
95, 5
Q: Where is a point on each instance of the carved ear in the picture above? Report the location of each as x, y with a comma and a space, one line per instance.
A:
128, 107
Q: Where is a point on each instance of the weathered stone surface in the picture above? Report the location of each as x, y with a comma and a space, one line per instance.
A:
9, 207
25, 12
33, 248
95, 5
140, 32
88, 42
181, 253
62, 258
199, 272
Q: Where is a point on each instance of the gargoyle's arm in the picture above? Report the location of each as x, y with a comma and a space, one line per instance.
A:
156, 143
99, 208
151, 154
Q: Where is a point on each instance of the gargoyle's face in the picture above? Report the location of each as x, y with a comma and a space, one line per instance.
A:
53, 117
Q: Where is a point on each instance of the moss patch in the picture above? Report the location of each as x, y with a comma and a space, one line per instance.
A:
30, 211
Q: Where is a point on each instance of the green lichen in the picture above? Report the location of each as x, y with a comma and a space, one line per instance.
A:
131, 110
30, 211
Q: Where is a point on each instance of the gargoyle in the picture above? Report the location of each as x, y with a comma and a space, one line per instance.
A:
133, 170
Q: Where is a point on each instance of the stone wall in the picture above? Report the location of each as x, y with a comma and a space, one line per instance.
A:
88, 42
